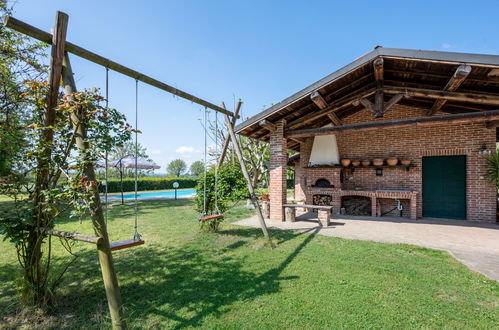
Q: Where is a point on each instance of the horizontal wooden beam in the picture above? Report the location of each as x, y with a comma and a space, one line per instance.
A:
267, 125
46, 37
492, 124
70, 235
483, 116
298, 140
445, 95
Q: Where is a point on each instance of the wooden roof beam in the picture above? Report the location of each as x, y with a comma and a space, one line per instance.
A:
317, 98
469, 117
267, 125
462, 72
378, 84
319, 101
332, 107
298, 140
476, 98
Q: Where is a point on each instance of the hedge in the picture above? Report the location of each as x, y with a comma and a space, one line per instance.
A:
158, 184
148, 184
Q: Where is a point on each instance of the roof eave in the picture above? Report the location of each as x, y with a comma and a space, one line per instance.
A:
480, 59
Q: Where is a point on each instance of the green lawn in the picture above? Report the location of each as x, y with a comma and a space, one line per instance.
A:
185, 278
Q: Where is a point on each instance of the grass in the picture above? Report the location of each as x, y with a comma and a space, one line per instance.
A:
184, 278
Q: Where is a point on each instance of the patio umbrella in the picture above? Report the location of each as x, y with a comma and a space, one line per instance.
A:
129, 161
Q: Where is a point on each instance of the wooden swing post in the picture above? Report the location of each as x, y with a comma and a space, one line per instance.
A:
254, 200
103, 249
227, 138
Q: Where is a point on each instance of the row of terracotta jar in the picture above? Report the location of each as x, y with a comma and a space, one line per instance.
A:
391, 161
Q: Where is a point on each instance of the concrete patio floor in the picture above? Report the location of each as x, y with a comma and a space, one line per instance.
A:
476, 245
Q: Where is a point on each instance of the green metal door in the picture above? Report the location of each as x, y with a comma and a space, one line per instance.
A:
444, 187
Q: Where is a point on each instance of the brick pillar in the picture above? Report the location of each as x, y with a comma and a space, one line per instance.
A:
278, 164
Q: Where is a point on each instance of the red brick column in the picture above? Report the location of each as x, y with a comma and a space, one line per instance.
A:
278, 164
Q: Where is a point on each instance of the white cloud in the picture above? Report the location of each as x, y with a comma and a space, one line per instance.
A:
155, 152
446, 46
186, 150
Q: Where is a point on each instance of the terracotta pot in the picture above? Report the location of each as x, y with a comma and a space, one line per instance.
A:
356, 162
345, 162
366, 162
405, 162
378, 161
392, 161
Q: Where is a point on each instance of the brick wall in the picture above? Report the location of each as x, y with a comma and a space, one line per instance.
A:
277, 167
412, 143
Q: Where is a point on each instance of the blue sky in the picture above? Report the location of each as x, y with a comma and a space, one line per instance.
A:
259, 51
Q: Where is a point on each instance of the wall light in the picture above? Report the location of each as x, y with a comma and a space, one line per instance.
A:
483, 150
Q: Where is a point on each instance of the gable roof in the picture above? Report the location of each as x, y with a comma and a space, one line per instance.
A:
403, 68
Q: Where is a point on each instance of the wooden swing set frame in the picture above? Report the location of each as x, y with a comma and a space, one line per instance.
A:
60, 68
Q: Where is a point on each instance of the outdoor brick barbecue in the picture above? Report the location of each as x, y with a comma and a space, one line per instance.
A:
430, 109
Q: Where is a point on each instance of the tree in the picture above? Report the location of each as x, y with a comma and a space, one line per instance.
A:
197, 168
50, 198
19, 61
176, 167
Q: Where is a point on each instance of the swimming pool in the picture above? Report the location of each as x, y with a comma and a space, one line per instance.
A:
183, 193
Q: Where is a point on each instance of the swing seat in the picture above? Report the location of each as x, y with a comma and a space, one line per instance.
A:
210, 217
125, 244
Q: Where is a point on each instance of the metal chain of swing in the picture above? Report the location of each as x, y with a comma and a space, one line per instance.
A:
136, 234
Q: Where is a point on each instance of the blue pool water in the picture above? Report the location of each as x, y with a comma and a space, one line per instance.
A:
158, 194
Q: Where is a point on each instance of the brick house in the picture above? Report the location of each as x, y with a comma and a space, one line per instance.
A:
437, 110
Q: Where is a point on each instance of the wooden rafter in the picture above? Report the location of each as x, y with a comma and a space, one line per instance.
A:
332, 107
317, 98
470, 117
267, 125
453, 84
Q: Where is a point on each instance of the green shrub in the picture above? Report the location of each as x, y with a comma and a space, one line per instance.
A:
148, 184
231, 187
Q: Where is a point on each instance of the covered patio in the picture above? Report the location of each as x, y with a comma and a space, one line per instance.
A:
399, 132
476, 245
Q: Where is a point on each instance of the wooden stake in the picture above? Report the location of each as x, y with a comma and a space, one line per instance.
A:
103, 250
239, 154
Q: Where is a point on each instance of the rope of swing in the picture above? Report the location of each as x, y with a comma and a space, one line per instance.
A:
106, 151
216, 165
205, 154
136, 234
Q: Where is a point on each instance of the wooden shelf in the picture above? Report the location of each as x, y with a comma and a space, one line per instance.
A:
406, 167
